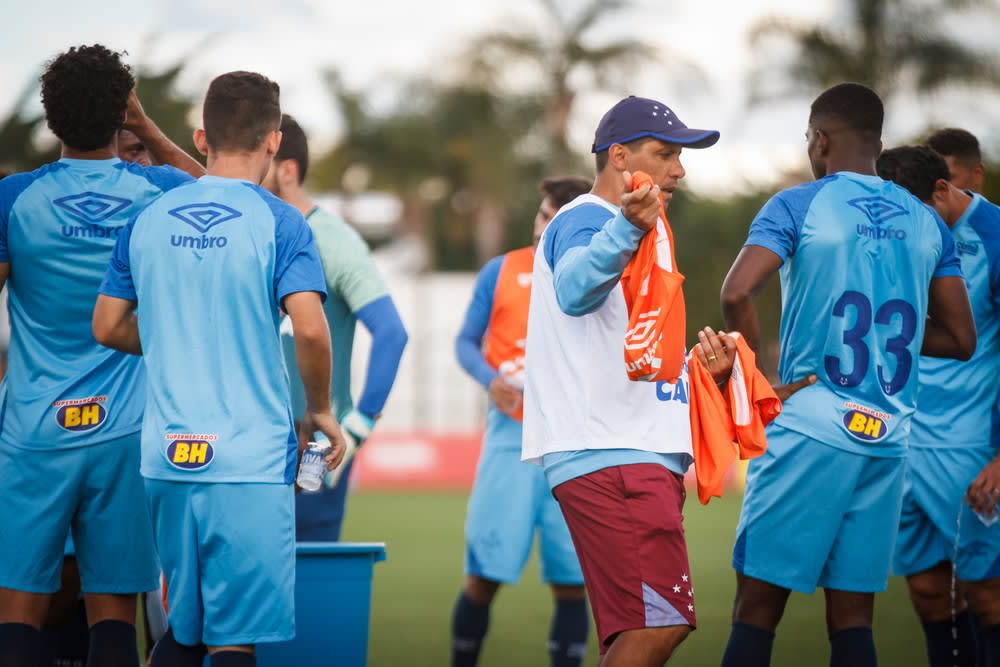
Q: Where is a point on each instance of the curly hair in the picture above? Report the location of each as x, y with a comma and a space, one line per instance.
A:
916, 168
84, 92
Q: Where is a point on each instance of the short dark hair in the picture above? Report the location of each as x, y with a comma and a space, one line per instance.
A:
959, 144
84, 92
563, 190
241, 108
856, 106
293, 145
916, 168
601, 159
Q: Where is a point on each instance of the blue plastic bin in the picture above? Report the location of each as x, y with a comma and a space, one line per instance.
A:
333, 595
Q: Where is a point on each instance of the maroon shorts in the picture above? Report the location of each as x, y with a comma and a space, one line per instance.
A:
628, 531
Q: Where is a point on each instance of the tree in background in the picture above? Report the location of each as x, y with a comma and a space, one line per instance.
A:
560, 47
893, 46
451, 153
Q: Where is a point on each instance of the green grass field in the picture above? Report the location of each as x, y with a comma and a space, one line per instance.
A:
415, 588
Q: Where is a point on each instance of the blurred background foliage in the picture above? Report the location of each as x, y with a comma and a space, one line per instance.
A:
464, 155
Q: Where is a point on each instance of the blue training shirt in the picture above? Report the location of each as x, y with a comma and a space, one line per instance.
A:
956, 399
209, 265
58, 225
859, 255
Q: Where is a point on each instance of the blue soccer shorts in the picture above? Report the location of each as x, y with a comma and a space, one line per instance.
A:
815, 515
933, 497
510, 501
228, 555
95, 494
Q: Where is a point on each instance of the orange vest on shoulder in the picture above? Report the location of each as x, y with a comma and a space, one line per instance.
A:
654, 340
730, 426
507, 330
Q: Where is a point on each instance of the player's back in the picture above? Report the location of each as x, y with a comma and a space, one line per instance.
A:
60, 225
206, 260
958, 399
854, 301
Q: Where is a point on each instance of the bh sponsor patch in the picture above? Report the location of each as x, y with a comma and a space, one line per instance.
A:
81, 414
190, 451
866, 424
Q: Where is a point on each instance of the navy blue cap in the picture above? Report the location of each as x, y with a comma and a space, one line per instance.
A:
637, 117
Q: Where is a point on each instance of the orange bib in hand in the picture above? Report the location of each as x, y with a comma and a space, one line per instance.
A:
654, 341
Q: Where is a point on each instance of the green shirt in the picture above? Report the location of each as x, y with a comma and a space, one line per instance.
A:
353, 282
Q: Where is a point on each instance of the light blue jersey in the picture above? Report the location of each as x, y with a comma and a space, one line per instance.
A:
58, 225
956, 401
859, 255
209, 265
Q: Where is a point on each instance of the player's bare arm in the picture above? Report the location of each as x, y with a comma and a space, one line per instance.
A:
115, 324
163, 150
4, 273
748, 275
950, 331
314, 356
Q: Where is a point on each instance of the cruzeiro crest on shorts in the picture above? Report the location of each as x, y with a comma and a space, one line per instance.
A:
92, 207
190, 451
81, 414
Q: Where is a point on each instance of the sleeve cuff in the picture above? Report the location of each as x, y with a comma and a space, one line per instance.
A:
767, 244
623, 233
128, 295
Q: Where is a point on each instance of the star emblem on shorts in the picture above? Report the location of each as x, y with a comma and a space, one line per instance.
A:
677, 589
684, 578
690, 593
691, 607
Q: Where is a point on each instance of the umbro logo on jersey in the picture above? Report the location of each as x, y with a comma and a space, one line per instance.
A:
205, 216
878, 209
92, 207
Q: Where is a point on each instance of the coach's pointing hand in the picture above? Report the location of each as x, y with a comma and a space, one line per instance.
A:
641, 207
716, 352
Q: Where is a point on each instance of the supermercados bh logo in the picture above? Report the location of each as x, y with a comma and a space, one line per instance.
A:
81, 414
202, 217
879, 211
190, 451
866, 424
91, 208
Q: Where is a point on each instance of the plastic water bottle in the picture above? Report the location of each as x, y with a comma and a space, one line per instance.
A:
312, 467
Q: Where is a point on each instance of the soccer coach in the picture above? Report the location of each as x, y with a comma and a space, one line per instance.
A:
615, 451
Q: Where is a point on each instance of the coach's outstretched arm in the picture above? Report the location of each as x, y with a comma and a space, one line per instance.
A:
163, 150
588, 259
314, 357
950, 331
